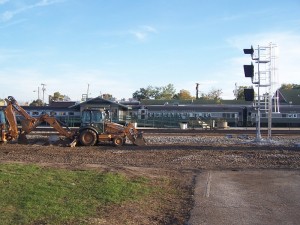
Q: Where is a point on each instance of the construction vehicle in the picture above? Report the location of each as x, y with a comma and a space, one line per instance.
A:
9, 127
94, 127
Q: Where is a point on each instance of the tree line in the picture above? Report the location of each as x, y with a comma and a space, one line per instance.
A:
167, 92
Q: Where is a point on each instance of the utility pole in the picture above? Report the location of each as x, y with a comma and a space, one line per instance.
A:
43, 89
235, 92
87, 92
197, 90
38, 91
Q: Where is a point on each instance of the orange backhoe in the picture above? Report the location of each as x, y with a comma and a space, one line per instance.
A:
94, 127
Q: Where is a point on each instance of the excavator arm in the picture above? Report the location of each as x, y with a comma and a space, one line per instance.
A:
12, 133
29, 123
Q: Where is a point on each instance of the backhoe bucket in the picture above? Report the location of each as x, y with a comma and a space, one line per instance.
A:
139, 140
22, 139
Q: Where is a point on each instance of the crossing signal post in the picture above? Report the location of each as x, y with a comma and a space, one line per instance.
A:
249, 92
264, 57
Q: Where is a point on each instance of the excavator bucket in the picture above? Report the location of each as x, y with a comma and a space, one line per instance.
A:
134, 136
139, 140
22, 139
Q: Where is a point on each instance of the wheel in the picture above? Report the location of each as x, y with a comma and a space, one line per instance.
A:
118, 141
88, 137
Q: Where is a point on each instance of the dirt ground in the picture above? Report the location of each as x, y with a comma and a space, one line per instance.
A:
177, 163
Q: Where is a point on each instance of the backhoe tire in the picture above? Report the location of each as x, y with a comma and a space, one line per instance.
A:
88, 137
118, 141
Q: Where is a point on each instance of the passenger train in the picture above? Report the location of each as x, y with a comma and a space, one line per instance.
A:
196, 115
234, 115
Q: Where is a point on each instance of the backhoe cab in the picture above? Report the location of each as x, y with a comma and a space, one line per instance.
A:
95, 128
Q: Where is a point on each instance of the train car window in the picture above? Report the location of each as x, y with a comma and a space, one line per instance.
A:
35, 113
218, 115
292, 115
71, 113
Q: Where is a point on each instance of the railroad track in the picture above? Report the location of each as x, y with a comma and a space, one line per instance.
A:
173, 131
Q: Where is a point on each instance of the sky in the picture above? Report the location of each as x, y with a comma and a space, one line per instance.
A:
97, 47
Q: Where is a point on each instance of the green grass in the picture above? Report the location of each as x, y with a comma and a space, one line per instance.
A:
31, 194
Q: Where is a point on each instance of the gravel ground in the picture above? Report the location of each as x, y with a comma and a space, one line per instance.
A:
223, 140
166, 151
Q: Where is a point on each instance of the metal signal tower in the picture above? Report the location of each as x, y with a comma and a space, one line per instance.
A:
265, 79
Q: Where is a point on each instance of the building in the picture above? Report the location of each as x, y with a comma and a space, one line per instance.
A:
117, 112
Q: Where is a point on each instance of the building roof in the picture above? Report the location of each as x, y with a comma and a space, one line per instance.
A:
289, 96
61, 104
194, 102
99, 101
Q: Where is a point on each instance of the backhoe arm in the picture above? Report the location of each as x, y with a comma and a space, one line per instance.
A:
57, 126
9, 113
29, 123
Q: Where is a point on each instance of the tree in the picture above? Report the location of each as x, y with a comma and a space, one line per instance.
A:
183, 95
2, 101
165, 92
143, 93
213, 94
239, 95
59, 97
290, 86
107, 96
37, 102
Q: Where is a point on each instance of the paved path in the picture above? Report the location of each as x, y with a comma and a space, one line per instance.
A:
247, 197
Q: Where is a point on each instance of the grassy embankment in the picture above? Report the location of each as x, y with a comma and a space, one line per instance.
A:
31, 194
